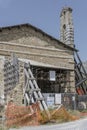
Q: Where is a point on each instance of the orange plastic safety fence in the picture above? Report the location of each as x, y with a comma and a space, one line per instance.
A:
21, 115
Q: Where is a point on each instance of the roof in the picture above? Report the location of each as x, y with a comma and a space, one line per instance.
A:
41, 31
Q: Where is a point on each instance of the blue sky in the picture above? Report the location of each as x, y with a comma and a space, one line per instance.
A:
45, 14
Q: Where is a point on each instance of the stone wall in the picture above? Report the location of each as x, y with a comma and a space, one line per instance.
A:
30, 43
30, 36
53, 56
1, 76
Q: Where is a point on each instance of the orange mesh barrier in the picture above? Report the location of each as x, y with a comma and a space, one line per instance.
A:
21, 115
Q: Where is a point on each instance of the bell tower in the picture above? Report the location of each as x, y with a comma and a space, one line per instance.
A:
66, 26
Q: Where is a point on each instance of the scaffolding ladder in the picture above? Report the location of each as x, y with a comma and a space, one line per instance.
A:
32, 92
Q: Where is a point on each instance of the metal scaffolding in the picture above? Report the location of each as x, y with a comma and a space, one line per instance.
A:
80, 76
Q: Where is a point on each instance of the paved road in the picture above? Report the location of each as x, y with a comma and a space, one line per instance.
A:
76, 125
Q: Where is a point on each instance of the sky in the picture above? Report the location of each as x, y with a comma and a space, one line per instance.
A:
45, 14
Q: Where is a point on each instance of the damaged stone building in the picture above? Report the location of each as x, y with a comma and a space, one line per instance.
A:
51, 60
